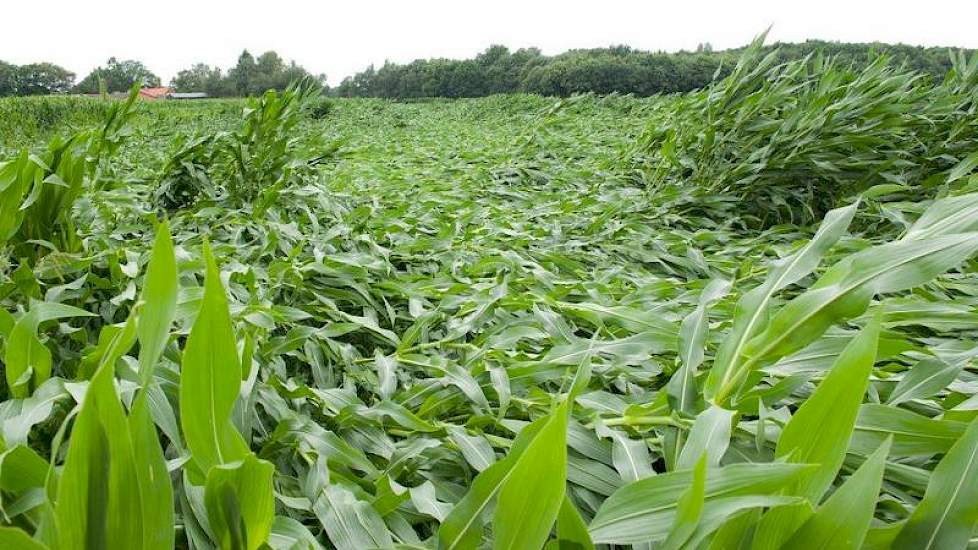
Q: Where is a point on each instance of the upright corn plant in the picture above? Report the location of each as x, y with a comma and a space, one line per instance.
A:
237, 485
114, 490
38, 192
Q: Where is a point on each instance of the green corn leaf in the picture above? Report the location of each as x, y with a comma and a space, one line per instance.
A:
644, 510
289, 534
689, 508
946, 517
152, 478
350, 523
571, 530
913, 434
750, 316
947, 216
923, 380
240, 504
842, 521
16, 539
462, 528
209, 379
846, 289
531, 496
114, 491
692, 338
28, 361
963, 168
159, 302
709, 437
819, 433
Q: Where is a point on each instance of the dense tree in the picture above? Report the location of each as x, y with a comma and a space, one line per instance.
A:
44, 78
243, 74
118, 76
34, 79
248, 77
203, 78
8, 79
602, 70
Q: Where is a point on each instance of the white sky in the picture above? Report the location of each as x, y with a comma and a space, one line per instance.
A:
340, 38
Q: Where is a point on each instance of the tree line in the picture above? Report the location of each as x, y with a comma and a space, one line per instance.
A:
496, 70
603, 70
250, 76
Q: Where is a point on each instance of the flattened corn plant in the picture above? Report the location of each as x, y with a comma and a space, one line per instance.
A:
469, 325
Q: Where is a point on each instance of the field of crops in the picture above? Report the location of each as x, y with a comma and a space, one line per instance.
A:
739, 318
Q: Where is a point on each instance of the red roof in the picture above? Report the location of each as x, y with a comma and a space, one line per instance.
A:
155, 93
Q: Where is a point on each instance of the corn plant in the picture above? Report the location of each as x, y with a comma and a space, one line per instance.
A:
500, 323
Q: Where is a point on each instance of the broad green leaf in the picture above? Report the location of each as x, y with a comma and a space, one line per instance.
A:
819, 433
35, 409
750, 315
350, 524
924, 379
240, 504
709, 437
113, 491
462, 528
22, 471
476, 449
946, 517
210, 377
842, 521
159, 302
912, 433
571, 530
16, 539
847, 288
27, 360
152, 478
289, 534
644, 510
531, 496
963, 168
631, 457
689, 508
692, 339
947, 216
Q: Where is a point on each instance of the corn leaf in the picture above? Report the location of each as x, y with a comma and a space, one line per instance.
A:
240, 505
209, 379
947, 515
842, 521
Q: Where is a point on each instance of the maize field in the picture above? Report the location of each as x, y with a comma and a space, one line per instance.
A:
744, 317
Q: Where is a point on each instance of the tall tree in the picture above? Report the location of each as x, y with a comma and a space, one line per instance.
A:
43, 79
243, 74
8, 79
119, 76
199, 78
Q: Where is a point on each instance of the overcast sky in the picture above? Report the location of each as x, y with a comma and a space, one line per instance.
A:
340, 38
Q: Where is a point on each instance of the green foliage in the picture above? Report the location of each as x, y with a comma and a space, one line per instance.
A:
117, 76
791, 140
249, 77
34, 79
616, 69
256, 160
472, 324
209, 379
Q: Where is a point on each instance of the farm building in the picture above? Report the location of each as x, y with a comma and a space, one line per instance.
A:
160, 92
187, 95
165, 92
